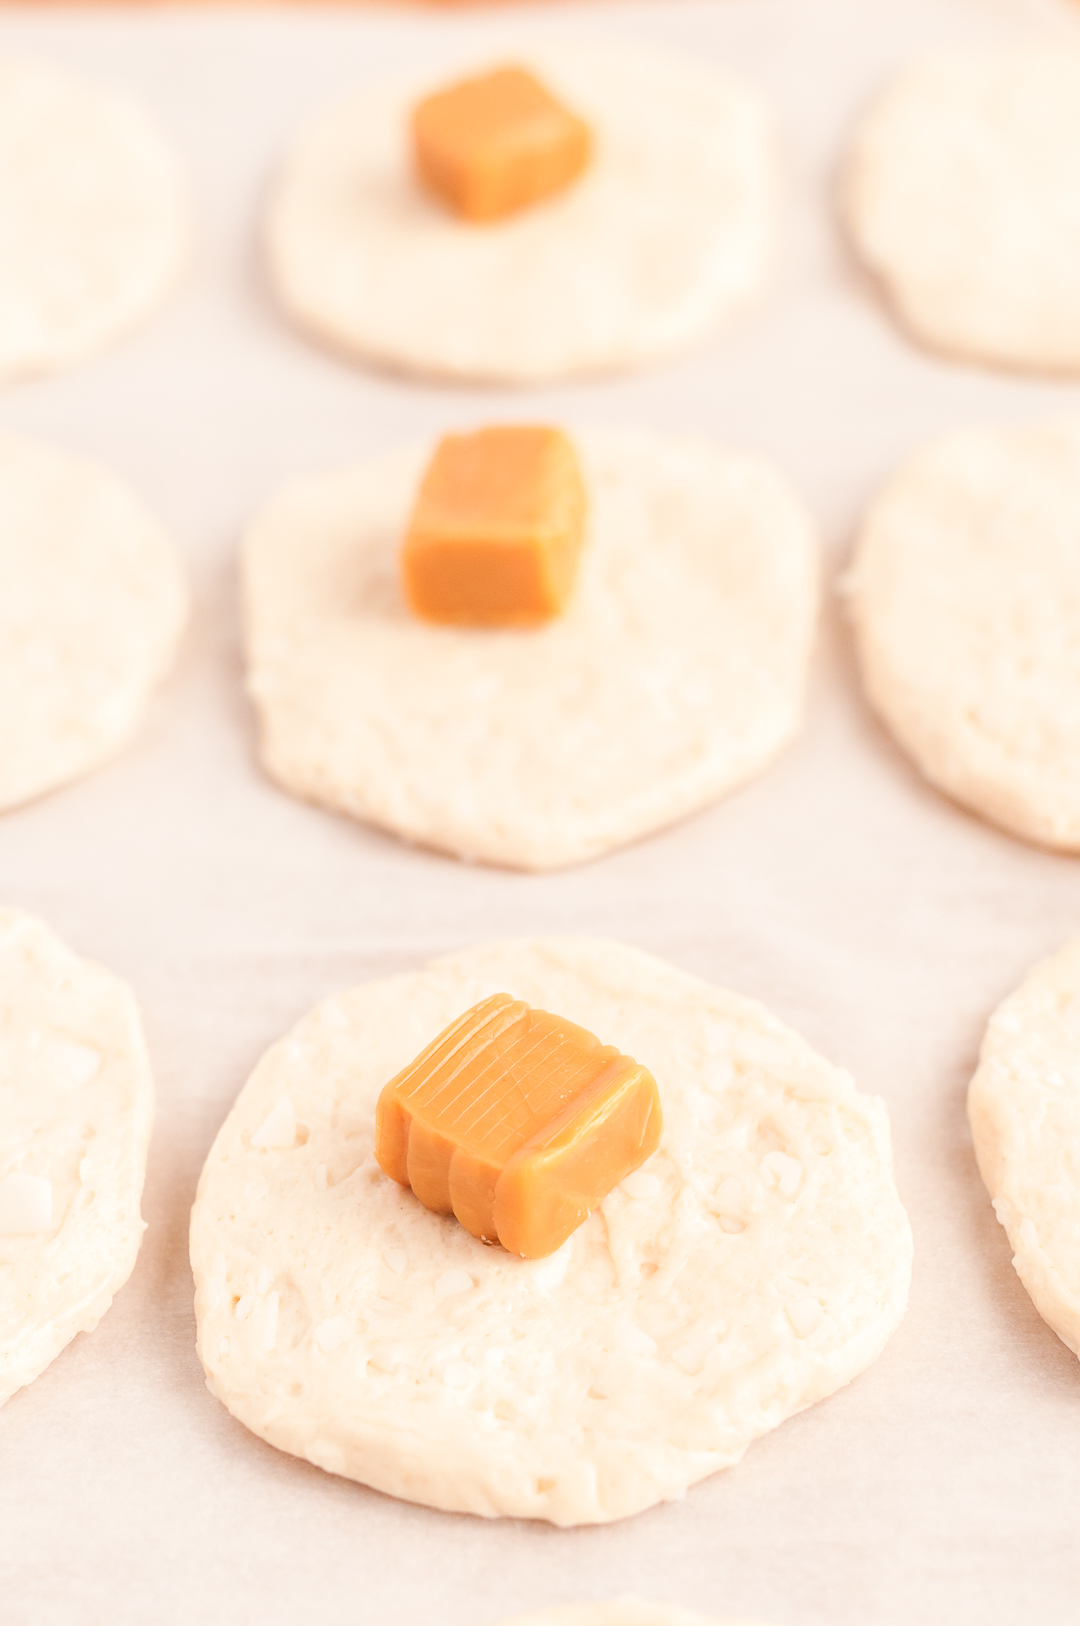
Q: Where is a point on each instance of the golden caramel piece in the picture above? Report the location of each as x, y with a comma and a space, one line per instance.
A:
497, 529
491, 146
518, 1123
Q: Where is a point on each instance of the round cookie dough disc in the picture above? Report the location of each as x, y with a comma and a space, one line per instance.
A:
94, 228
92, 603
960, 193
76, 1101
1024, 1106
669, 230
677, 672
966, 600
758, 1261
621, 1612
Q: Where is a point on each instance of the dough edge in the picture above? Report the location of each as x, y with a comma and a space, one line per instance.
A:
973, 770
993, 1110
40, 1345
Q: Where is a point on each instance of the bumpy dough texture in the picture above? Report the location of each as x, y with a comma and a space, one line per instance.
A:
621, 1612
678, 671
94, 227
92, 603
1024, 1106
669, 230
76, 1102
966, 600
960, 192
758, 1261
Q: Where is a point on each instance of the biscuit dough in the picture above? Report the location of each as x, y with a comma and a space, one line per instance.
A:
94, 227
76, 1101
965, 593
960, 193
92, 603
664, 236
1024, 1107
757, 1262
677, 672
621, 1612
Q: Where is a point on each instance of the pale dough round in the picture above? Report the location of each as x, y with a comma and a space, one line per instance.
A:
1024, 1106
669, 230
92, 604
76, 1103
961, 192
678, 671
758, 1261
966, 600
621, 1612
94, 227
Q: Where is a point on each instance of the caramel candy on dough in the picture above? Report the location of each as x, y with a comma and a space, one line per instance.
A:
759, 1262
496, 144
497, 527
518, 1123
677, 672
665, 236
1024, 1107
76, 1102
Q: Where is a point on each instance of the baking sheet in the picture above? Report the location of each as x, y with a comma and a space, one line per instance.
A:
942, 1486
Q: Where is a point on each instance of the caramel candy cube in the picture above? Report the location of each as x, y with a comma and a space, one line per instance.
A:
497, 528
490, 146
518, 1123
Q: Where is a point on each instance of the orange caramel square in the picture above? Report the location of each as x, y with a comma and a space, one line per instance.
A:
518, 1123
497, 528
493, 145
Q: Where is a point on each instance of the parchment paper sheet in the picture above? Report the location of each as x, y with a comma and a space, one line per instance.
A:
944, 1485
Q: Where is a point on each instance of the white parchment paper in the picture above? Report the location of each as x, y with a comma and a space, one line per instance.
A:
944, 1485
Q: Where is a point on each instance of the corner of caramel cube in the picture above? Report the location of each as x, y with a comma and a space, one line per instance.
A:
495, 144
497, 528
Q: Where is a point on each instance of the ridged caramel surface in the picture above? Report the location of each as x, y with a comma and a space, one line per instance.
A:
518, 1122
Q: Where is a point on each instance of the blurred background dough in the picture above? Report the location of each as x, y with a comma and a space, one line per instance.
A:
94, 218
92, 603
668, 232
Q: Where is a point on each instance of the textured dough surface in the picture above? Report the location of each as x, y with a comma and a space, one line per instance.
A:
966, 600
669, 230
961, 194
677, 672
621, 1612
92, 603
758, 1261
94, 227
1024, 1106
76, 1102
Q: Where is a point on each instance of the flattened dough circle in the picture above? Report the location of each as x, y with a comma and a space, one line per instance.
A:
677, 673
966, 601
667, 233
94, 218
621, 1612
1024, 1107
92, 604
756, 1263
76, 1102
960, 192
